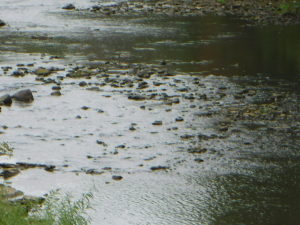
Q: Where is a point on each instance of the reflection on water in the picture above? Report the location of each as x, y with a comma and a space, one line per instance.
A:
217, 45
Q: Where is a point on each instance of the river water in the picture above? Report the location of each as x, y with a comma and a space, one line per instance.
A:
228, 143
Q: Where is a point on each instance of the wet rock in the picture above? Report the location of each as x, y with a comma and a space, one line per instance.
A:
183, 89
223, 129
93, 89
157, 123
56, 88
69, 7
7, 165
24, 165
93, 172
156, 168
85, 107
179, 119
56, 93
82, 83
49, 168
8, 173
197, 150
143, 85
132, 128
121, 146
2, 23
18, 73
42, 72
198, 160
5, 100
101, 143
155, 83
117, 177
176, 101
186, 136
163, 63
107, 168
136, 97
23, 96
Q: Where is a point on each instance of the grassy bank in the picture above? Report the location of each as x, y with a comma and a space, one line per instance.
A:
55, 210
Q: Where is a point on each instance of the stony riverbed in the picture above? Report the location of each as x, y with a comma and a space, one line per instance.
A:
163, 126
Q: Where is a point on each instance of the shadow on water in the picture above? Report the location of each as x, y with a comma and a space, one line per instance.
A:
266, 197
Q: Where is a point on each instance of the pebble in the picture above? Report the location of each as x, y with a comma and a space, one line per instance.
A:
157, 123
117, 177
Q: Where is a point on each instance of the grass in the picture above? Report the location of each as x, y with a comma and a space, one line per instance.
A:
56, 210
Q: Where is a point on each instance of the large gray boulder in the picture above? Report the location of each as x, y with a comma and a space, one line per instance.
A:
23, 96
5, 100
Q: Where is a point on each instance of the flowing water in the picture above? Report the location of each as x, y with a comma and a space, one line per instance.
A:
228, 152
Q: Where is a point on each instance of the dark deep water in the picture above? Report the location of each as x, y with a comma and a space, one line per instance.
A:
238, 183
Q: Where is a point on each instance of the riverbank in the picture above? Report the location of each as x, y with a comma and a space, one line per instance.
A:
254, 12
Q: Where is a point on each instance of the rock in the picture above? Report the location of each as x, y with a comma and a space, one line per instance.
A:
8, 173
50, 168
93, 89
197, 150
2, 23
143, 85
56, 93
5, 100
23, 96
121, 146
132, 128
56, 88
9, 192
85, 107
179, 119
69, 7
101, 143
157, 123
198, 160
136, 97
155, 168
18, 73
117, 177
42, 72
93, 172
82, 83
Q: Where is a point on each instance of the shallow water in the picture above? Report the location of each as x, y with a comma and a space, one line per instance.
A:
242, 179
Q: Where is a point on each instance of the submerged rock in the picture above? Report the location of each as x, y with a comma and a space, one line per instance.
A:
117, 177
10, 172
157, 123
69, 7
136, 97
56, 93
23, 96
155, 168
2, 23
42, 72
5, 100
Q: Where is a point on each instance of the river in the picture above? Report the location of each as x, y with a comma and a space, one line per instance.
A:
214, 140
